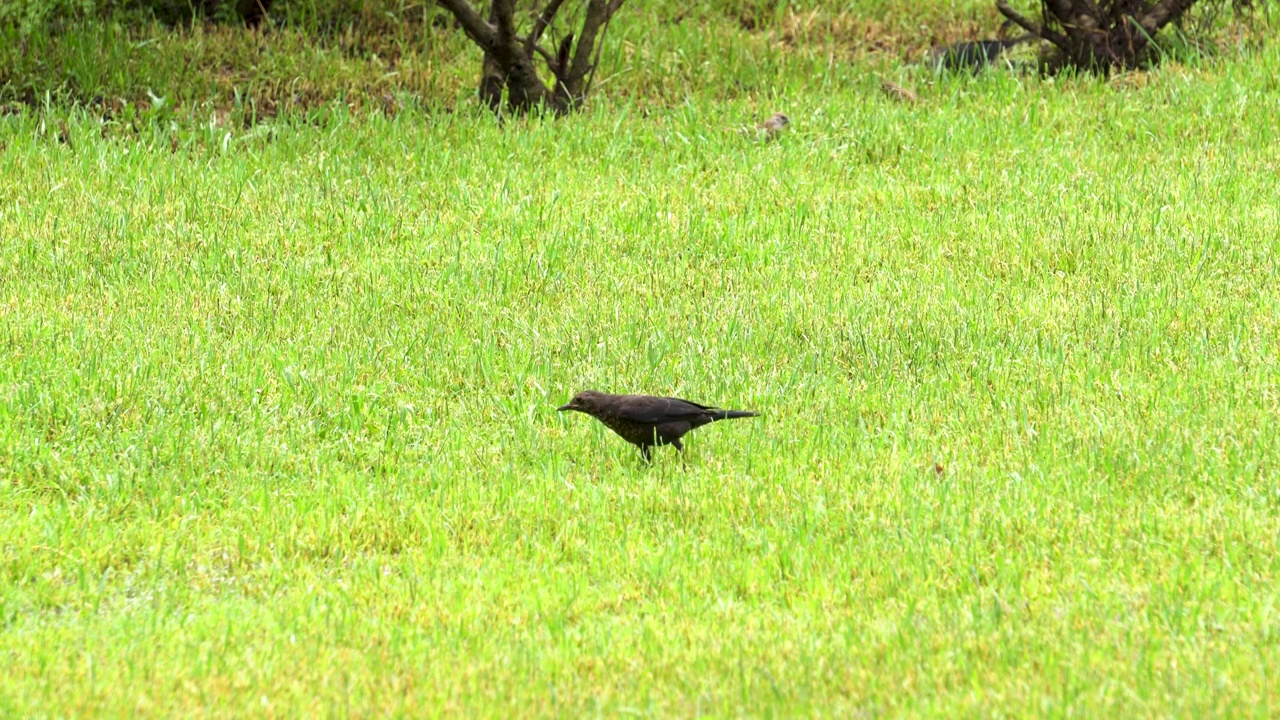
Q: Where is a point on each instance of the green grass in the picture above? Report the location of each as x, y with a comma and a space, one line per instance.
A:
658, 53
277, 428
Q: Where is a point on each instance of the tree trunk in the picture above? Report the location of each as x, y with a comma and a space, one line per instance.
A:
1100, 35
509, 75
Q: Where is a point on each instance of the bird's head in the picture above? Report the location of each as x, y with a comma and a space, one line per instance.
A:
585, 401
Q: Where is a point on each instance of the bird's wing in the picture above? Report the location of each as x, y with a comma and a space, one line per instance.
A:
646, 409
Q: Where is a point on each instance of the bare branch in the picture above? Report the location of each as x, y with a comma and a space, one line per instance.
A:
544, 21
1099, 34
551, 60
559, 62
1060, 9
1027, 25
1091, 9
562, 54
546, 55
596, 11
1163, 14
614, 5
599, 12
472, 24
504, 15
509, 75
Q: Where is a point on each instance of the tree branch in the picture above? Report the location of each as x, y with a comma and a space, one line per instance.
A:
544, 21
1091, 9
551, 60
1163, 14
614, 6
599, 12
510, 71
562, 54
472, 24
559, 62
546, 55
1060, 10
1022, 22
504, 14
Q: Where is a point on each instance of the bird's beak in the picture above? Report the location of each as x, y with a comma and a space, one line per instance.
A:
562, 408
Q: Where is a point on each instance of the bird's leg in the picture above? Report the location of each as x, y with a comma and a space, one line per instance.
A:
684, 459
646, 454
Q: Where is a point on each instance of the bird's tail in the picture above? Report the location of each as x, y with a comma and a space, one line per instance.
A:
731, 414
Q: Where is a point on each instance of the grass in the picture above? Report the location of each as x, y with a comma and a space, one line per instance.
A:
277, 432
396, 54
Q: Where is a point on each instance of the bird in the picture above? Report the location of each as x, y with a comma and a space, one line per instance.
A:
645, 420
975, 54
772, 127
898, 92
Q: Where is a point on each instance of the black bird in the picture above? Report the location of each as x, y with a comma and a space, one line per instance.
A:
973, 55
645, 421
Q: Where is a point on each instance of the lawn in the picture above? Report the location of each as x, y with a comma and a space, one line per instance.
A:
278, 430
